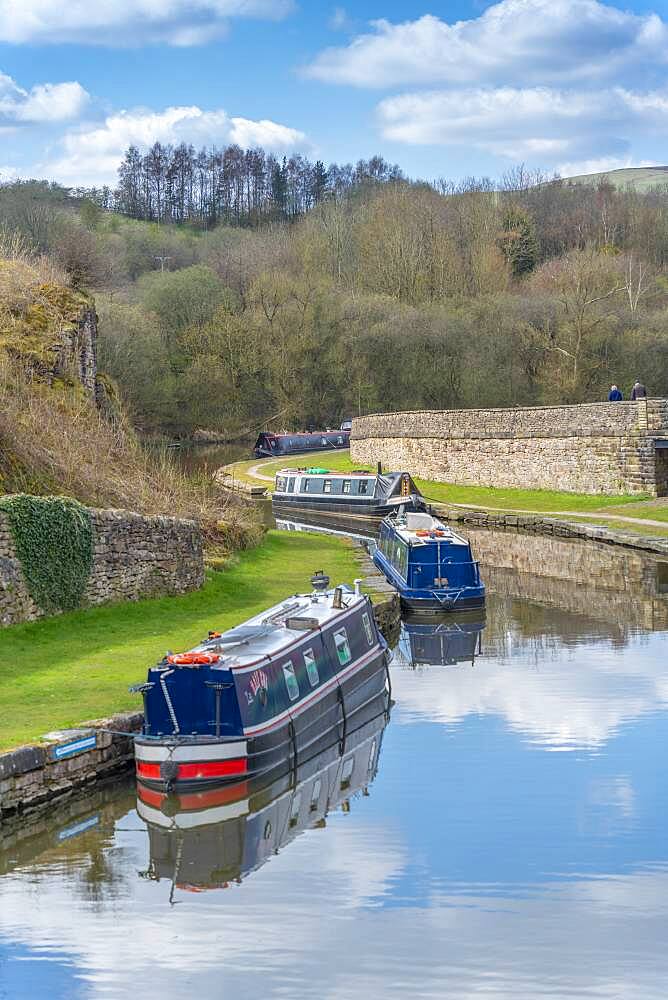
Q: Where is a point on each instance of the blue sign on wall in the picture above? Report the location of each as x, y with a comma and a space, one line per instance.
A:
75, 746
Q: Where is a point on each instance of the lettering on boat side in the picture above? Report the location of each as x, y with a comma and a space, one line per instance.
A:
258, 682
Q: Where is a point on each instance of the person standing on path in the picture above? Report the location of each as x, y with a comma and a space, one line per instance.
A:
614, 396
639, 391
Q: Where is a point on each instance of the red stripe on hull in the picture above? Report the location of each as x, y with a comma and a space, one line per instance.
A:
145, 770
212, 769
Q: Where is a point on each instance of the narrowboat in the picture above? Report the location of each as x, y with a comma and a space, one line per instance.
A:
243, 700
269, 444
359, 494
430, 565
211, 838
441, 644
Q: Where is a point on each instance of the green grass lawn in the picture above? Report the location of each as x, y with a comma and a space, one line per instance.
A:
75, 667
479, 496
627, 526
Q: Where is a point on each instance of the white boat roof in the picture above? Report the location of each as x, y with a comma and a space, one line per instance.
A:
357, 473
410, 524
283, 625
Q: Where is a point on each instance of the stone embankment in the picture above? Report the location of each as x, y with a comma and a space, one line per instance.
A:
133, 557
588, 448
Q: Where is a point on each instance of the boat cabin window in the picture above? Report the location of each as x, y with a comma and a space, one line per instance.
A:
305, 484
368, 631
311, 667
315, 794
280, 484
363, 486
346, 486
327, 487
291, 484
347, 772
342, 647
291, 681
295, 807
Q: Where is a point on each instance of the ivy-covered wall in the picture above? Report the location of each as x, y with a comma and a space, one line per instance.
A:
56, 555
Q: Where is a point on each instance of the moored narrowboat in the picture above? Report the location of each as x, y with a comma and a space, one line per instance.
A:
444, 643
242, 701
295, 443
360, 493
430, 565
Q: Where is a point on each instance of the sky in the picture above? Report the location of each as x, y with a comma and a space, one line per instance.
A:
447, 90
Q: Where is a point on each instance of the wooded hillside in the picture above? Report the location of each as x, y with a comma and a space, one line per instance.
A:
377, 293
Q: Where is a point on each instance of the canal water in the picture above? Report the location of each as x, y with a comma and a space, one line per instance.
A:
504, 835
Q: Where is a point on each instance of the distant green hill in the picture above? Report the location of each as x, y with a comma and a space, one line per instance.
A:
638, 178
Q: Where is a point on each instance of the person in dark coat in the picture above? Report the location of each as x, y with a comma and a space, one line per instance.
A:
639, 391
614, 395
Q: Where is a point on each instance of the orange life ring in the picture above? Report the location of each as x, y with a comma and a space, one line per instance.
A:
422, 533
193, 659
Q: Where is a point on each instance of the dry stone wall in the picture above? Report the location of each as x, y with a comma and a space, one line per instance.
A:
588, 448
133, 557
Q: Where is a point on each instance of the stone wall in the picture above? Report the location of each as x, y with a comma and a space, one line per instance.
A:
133, 557
33, 776
588, 448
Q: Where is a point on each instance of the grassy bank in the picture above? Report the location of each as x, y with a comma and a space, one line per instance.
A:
61, 671
478, 496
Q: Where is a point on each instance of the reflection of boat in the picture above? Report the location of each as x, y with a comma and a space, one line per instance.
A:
430, 565
243, 700
355, 494
440, 644
294, 444
207, 839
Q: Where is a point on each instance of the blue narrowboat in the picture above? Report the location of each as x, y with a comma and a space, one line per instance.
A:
242, 701
359, 494
294, 443
211, 838
430, 565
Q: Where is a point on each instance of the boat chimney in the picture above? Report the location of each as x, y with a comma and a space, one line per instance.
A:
358, 587
337, 603
379, 468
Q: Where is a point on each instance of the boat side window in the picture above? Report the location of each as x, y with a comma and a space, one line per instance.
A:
280, 484
327, 487
291, 484
295, 807
305, 484
367, 628
363, 486
291, 682
347, 772
311, 667
315, 794
342, 646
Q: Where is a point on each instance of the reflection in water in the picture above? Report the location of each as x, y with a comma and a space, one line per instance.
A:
208, 839
481, 863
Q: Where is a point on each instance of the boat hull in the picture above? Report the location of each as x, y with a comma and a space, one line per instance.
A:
181, 764
361, 508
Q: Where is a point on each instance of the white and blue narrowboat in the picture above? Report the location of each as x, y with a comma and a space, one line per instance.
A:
243, 701
213, 837
294, 443
357, 494
430, 565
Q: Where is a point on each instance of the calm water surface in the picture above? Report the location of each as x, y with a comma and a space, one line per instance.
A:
504, 835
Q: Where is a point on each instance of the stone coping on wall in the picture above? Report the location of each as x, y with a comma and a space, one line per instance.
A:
647, 417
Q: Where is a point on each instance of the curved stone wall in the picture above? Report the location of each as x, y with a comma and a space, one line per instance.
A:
586, 448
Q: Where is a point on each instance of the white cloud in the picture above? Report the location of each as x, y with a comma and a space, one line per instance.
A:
515, 41
527, 124
128, 22
46, 102
91, 154
602, 165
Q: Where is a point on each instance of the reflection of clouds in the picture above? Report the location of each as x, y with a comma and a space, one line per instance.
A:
577, 697
307, 927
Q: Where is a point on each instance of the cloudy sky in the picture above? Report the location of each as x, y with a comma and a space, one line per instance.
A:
445, 89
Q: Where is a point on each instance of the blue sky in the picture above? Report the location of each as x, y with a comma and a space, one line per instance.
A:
444, 89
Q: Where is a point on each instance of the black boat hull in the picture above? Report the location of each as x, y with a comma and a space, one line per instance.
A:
431, 607
363, 509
